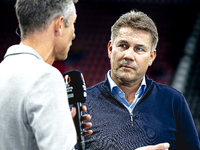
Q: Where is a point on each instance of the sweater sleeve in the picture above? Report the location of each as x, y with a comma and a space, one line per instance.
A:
48, 112
187, 137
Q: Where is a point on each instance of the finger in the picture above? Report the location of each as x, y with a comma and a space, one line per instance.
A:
83, 108
86, 117
88, 132
73, 111
87, 125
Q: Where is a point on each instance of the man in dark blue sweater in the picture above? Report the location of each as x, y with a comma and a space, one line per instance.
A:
128, 109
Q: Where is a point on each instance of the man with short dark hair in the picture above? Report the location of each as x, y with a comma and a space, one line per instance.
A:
128, 109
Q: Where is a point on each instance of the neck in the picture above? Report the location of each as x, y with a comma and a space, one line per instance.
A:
130, 92
42, 49
42, 43
129, 89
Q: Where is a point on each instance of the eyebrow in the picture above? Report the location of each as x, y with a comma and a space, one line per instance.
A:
141, 45
126, 42
123, 41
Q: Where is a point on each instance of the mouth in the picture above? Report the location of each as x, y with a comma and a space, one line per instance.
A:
127, 67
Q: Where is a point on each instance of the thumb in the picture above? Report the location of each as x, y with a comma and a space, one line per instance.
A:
73, 112
162, 146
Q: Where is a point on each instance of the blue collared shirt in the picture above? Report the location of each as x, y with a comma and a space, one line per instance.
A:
120, 95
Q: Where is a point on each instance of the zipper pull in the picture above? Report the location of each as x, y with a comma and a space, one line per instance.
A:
131, 115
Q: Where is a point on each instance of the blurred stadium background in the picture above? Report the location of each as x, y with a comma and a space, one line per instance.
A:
178, 52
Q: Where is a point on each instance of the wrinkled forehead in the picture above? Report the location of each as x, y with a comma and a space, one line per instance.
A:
132, 33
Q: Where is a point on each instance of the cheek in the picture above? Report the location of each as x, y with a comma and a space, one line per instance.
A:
150, 62
114, 58
143, 63
116, 55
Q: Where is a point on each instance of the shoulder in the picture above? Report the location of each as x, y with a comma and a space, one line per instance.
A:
165, 89
168, 96
50, 76
93, 90
41, 76
44, 72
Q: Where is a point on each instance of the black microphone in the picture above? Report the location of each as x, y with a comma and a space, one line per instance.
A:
76, 91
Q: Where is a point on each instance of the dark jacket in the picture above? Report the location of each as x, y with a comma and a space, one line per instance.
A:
161, 115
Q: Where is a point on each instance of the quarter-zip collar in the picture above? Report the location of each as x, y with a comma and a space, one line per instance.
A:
106, 87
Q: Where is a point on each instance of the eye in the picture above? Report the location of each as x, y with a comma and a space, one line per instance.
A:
139, 49
122, 45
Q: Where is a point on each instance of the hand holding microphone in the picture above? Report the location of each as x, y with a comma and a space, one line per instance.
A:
76, 91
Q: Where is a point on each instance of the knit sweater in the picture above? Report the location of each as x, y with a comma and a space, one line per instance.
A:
161, 115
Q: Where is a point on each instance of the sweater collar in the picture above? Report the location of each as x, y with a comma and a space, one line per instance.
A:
107, 85
113, 84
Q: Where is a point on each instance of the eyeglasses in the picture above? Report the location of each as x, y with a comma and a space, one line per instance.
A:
17, 31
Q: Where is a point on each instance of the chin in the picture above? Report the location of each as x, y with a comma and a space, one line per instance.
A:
127, 76
62, 58
65, 57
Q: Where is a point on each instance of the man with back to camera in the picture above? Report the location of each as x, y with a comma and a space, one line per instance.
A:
128, 109
35, 112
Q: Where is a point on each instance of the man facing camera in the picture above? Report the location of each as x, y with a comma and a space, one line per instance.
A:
128, 109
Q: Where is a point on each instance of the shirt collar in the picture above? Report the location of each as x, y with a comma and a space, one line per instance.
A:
113, 84
22, 49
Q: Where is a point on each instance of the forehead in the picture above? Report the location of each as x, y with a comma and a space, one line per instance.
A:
133, 35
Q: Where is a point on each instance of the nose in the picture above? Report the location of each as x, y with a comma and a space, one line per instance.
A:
129, 54
74, 35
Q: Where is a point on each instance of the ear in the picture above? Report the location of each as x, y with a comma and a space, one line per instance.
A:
152, 57
109, 49
58, 25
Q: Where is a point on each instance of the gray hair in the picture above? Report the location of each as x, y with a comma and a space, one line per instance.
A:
36, 15
136, 20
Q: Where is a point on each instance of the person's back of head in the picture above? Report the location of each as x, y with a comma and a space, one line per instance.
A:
36, 15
